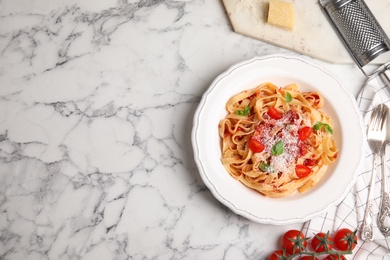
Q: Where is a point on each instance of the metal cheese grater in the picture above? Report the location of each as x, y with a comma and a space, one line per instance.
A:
360, 31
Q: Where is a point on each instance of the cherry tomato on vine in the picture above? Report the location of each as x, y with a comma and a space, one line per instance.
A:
274, 113
304, 133
321, 241
255, 145
277, 255
293, 241
335, 257
344, 239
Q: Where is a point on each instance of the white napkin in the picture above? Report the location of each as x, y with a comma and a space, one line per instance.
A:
349, 213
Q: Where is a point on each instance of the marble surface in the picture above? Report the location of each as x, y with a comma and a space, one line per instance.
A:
96, 107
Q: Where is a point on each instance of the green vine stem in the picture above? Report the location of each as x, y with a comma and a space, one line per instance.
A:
315, 254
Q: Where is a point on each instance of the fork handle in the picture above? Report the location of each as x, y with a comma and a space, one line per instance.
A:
385, 187
384, 212
367, 228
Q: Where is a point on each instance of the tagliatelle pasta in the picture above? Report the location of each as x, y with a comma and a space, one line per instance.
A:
277, 140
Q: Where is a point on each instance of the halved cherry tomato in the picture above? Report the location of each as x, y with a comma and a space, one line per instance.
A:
293, 241
321, 241
304, 133
344, 239
255, 145
302, 171
274, 113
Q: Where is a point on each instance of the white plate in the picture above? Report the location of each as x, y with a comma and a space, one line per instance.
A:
280, 70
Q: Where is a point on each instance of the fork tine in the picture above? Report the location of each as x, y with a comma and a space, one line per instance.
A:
384, 117
380, 118
378, 121
372, 118
375, 116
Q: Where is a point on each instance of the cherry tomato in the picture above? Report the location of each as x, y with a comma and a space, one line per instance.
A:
255, 145
293, 241
274, 113
277, 255
321, 241
304, 133
302, 171
344, 239
335, 257
308, 257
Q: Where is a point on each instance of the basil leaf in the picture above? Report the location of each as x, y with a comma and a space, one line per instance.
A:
318, 126
244, 112
265, 167
288, 97
328, 129
278, 148
247, 110
240, 112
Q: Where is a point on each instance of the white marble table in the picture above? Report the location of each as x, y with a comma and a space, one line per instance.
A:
96, 107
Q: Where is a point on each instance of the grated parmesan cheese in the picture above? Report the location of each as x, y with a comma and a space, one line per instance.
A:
280, 130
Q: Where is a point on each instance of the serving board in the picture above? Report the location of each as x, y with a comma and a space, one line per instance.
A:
313, 35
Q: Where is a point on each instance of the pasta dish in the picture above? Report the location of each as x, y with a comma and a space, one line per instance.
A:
277, 140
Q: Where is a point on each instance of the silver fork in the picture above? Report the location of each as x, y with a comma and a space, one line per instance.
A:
375, 137
384, 210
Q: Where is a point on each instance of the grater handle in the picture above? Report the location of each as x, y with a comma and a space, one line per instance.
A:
385, 76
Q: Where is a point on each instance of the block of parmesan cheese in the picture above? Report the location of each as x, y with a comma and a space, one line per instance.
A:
281, 14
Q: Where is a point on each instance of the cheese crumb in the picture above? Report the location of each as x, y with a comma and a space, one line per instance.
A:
281, 14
